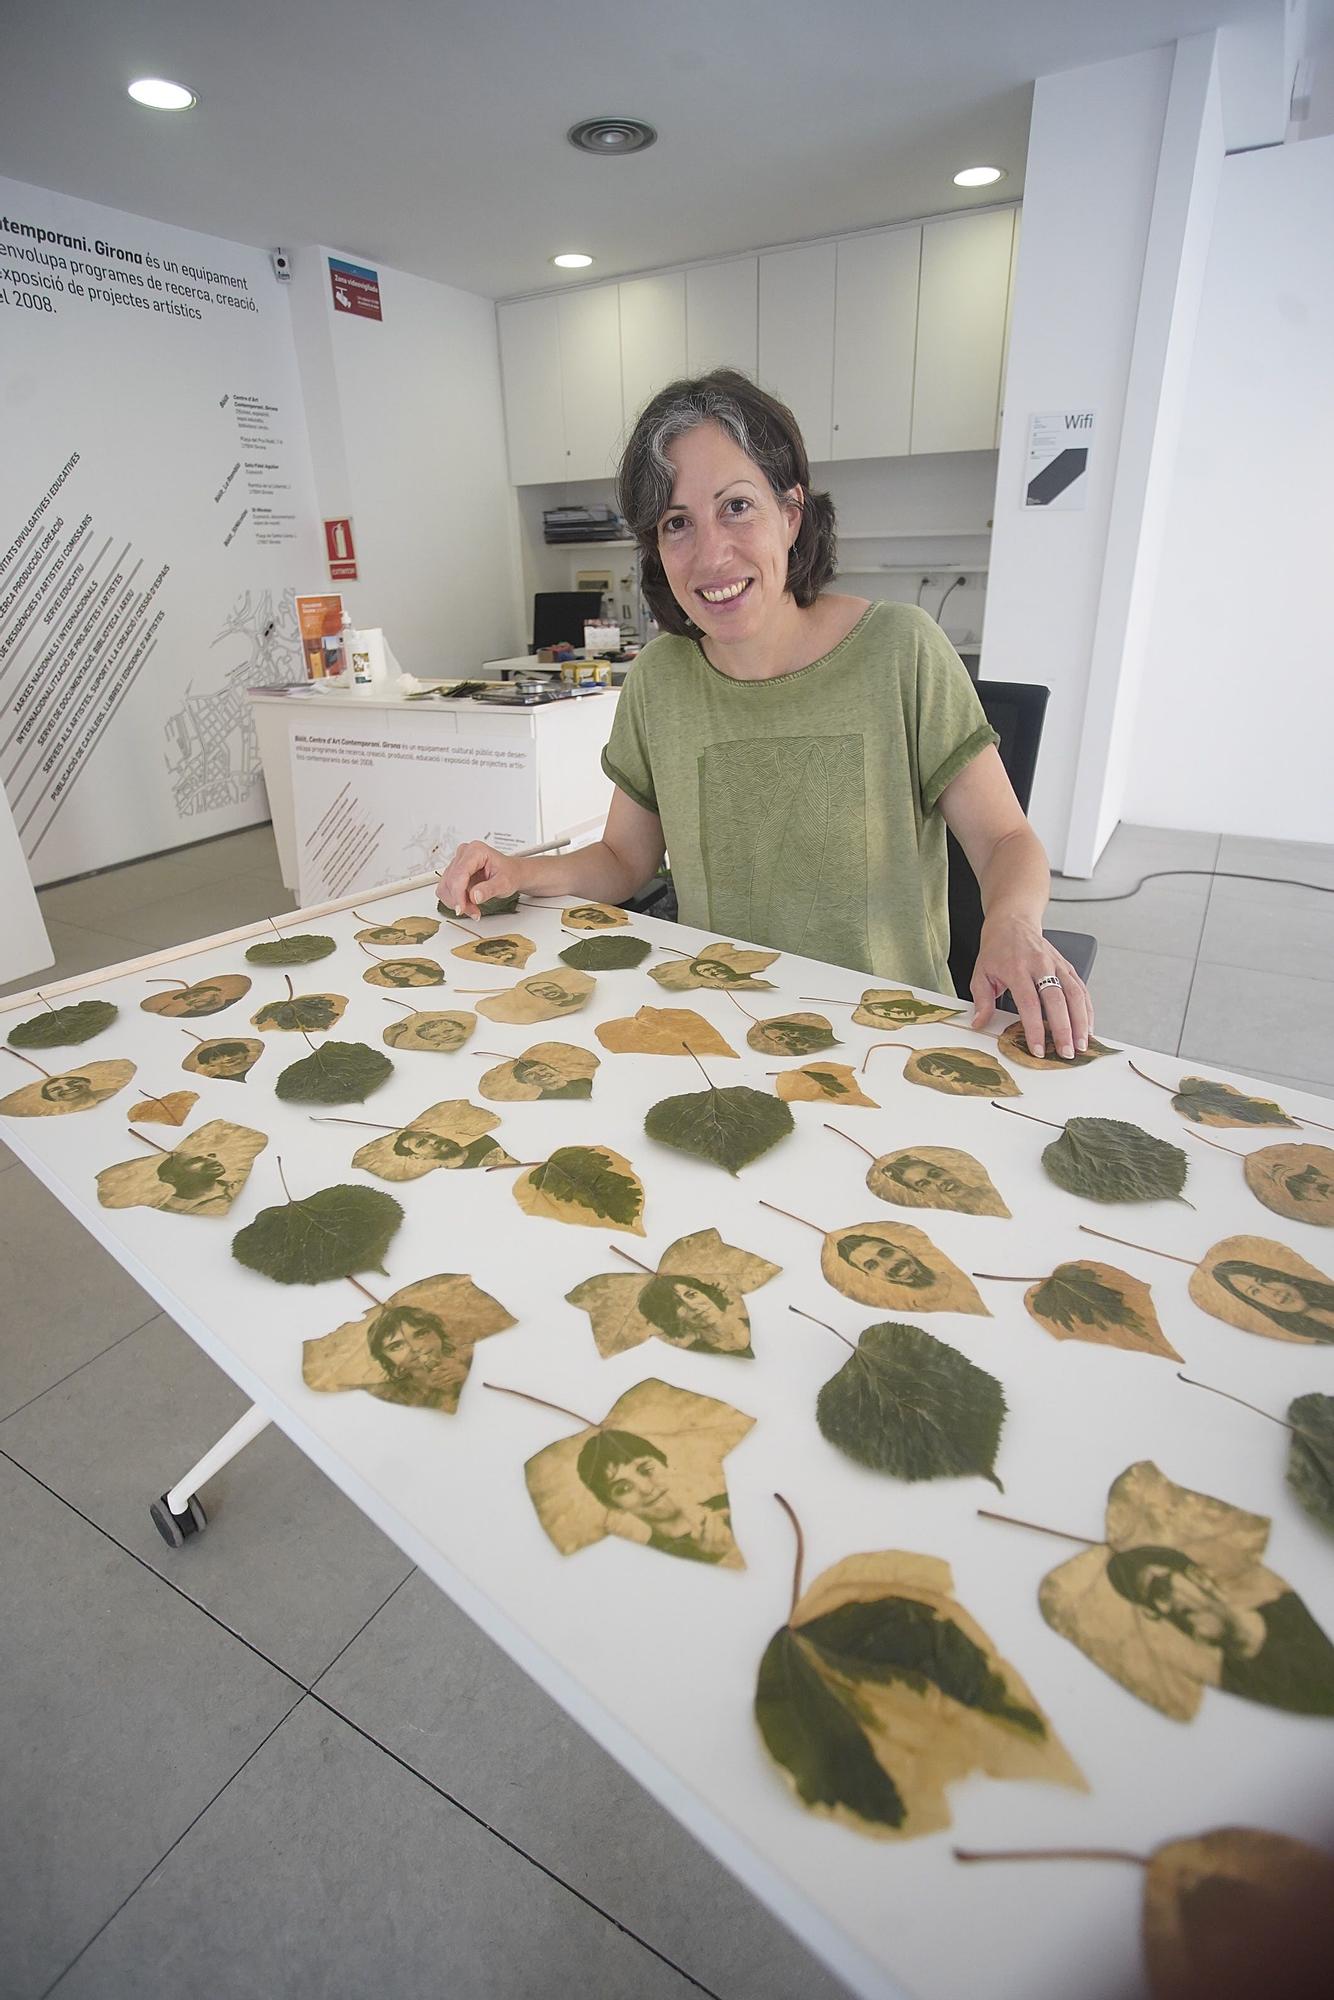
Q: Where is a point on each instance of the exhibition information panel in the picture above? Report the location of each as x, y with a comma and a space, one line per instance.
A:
974, 1685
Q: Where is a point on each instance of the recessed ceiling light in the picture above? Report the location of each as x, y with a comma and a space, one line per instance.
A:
611, 136
979, 177
572, 260
159, 95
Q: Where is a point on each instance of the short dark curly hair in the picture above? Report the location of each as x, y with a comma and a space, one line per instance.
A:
767, 432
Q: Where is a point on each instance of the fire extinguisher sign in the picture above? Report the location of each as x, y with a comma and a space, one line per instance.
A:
341, 551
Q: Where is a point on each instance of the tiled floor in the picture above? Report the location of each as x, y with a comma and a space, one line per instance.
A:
280, 1763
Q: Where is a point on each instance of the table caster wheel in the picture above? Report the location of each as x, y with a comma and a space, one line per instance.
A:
176, 1529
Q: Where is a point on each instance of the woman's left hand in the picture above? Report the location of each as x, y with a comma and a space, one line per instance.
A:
1013, 953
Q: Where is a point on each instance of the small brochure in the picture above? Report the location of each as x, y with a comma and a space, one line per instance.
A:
321, 623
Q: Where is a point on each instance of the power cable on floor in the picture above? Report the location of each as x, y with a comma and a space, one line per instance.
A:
1213, 875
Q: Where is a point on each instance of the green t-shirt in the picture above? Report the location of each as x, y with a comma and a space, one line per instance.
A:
800, 812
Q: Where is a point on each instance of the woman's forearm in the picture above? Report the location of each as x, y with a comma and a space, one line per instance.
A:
596, 872
1016, 881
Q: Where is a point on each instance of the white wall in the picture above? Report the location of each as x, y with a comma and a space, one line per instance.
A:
407, 436
1236, 718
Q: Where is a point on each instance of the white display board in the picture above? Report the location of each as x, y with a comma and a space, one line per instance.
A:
658, 1658
157, 515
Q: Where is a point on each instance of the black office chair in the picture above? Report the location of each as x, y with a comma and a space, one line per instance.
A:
559, 615
1016, 712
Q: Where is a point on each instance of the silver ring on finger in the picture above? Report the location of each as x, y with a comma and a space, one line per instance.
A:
1049, 979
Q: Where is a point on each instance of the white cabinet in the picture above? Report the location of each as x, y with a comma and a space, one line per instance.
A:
653, 338
796, 351
530, 369
590, 372
722, 306
875, 335
961, 330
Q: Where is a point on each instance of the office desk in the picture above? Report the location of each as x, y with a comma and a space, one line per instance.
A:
657, 1659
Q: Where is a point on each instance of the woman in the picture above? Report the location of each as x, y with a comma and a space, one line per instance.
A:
1300, 1307
630, 1475
799, 753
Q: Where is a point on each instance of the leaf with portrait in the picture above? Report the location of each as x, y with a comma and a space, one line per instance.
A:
1261, 1286
306, 1014
414, 1348
405, 972
498, 948
494, 906
336, 1073
440, 1034
330, 1234
880, 1692
69, 1090
589, 1185
721, 964
694, 1301
61, 1027
1106, 1159
896, 1007
173, 1109
229, 1059
729, 1127
302, 949
1310, 1470
1014, 1042
593, 917
960, 1073
403, 930
1220, 1910
1206, 1102
541, 996
547, 1070
1098, 1303
193, 1003
606, 954
912, 1406
1296, 1182
662, 1031
450, 1135
892, 1266
935, 1177
202, 1174
1175, 1599
792, 1035
826, 1083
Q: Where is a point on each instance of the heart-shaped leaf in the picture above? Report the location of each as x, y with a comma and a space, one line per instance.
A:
1205, 1102
1295, 1181
540, 996
403, 930
910, 1405
584, 1184
1105, 1159
1014, 1043
895, 1007
330, 1234
606, 954
415, 1348
206, 996
694, 1300
405, 972
302, 949
1263, 1287
499, 948
494, 906
960, 1073
892, 1265
716, 965
337, 1073
1096, 1302
202, 1174
309, 1013
230, 1061
662, 1031
593, 916
173, 1109
430, 1034
1311, 1456
63, 1025
730, 1127
828, 1083
792, 1035
546, 1070
81, 1089
935, 1177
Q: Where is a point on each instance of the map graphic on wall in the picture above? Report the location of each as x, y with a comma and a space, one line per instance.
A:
211, 749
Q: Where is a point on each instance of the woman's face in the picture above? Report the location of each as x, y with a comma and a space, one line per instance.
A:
542, 1076
1274, 1293
639, 1487
695, 1310
724, 539
1190, 1599
417, 1349
419, 1145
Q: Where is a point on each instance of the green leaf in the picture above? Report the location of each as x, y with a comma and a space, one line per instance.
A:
606, 954
63, 1025
495, 906
338, 1073
815, 1737
1106, 1159
899, 1639
1311, 1456
1207, 1103
303, 949
908, 1404
730, 1127
313, 1012
581, 1176
1075, 1295
326, 1235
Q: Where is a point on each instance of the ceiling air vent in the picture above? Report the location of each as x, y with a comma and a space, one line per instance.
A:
611, 137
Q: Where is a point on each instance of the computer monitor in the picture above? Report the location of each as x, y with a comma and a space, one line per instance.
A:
560, 614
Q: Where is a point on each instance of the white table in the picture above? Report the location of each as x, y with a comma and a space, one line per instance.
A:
657, 1659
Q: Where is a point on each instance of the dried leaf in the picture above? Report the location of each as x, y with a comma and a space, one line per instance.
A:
935, 1177
895, 1007
1261, 1286
1098, 1303
542, 996
828, 1083
202, 1174
192, 1003
651, 1472
908, 1404
546, 1071
1014, 1041
792, 1035
606, 954
728, 1127
337, 1073
331, 1234
593, 917
403, 930
1311, 1456
694, 1300
881, 1691
405, 972
494, 906
892, 1265
415, 1348
1205, 1102
505, 948
430, 1034
309, 1014
717, 965
451, 1135
1295, 1181
1176, 1599
173, 1109
60, 1027
303, 949
591, 1185
72, 1090
228, 1061
1105, 1159
662, 1031
1221, 1908
960, 1073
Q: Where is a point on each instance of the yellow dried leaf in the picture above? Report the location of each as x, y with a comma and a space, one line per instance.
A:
825, 1083
593, 917
1294, 1181
505, 948
935, 1177
450, 1135
896, 1007
542, 996
1262, 1287
415, 1348
173, 1109
960, 1073
588, 1185
201, 1175
662, 1031
891, 1265
547, 1070
1225, 1910
71, 1090
716, 965
432, 1034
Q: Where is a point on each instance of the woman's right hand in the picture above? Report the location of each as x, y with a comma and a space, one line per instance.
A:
476, 874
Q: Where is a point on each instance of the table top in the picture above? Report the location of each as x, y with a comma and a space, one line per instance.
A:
304, 697
658, 1659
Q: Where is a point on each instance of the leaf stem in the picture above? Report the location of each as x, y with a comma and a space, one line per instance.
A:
851, 1141
699, 1065
1012, 1520
736, 1003
51, 1010
996, 1105
507, 1166
377, 956
148, 1142
1253, 1407
822, 1000
648, 1268
794, 1218
1005, 1278
162, 1106
485, 989
201, 1039
152, 982
1050, 1854
1191, 1263
282, 1176
365, 1291
28, 1059
801, 1555
1152, 1079
883, 1045
369, 1123
588, 1422
825, 1324
456, 925
1217, 1145
406, 1004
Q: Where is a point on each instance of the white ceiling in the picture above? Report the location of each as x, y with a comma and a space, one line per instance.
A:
430, 134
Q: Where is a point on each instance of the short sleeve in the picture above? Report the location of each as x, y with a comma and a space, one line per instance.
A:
626, 759
952, 727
